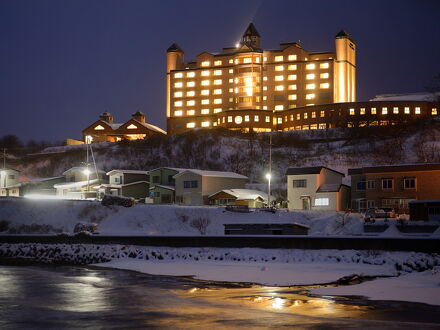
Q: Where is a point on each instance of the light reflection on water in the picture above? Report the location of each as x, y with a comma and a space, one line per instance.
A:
60, 297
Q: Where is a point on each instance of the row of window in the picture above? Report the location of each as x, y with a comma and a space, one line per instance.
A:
190, 184
384, 111
256, 59
207, 73
386, 184
218, 82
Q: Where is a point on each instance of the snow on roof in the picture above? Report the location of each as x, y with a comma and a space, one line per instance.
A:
9, 169
106, 185
114, 125
329, 187
18, 185
171, 168
152, 127
80, 168
422, 96
127, 172
36, 180
217, 174
75, 184
244, 194
163, 186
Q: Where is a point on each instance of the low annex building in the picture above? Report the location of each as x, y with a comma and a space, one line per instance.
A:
316, 188
80, 183
394, 186
105, 129
249, 197
127, 183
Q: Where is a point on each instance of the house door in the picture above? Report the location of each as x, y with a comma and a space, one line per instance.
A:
306, 203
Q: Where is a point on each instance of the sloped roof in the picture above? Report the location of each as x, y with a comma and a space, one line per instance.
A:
75, 184
244, 194
9, 169
251, 31
163, 186
178, 170
329, 187
151, 127
174, 48
395, 168
217, 174
127, 172
308, 170
80, 168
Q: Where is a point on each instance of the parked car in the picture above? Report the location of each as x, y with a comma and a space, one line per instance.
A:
108, 200
378, 213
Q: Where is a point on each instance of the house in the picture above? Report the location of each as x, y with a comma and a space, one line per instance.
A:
40, 186
162, 184
249, 197
105, 129
9, 184
80, 183
194, 186
316, 188
127, 183
394, 186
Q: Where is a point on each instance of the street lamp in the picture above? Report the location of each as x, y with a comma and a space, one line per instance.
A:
268, 177
87, 172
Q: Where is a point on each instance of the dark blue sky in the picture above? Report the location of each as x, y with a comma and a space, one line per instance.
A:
64, 62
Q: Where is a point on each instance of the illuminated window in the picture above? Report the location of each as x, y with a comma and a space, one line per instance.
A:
191, 102
434, 111
417, 111
178, 85
217, 110
205, 111
204, 92
205, 82
265, 78
310, 96
246, 118
322, 126
279, 120
292, 97
190, 125
322, 201
298, 116
279, 78
313, 114
322, 113
217, 82
231, 90
265, 107
264, 88
292, 87
256, 118
178, 113
314, 126
310, 76
279, 88
373, 111
362, 111
217, 72
217, 101
238, 119
191, 74
205, 123
324, 65
279, 107
324, 85
292, 67
190, 112
205, 63
407, 112
352, 112
217, 91
99, 128
190, 93
305, 115
231, 80
310, 66
279, 68
236, 61
291, 58
257, 59
264, 98
291, 117
396, 110
231, 61
205, 73
291, 77
178, 103
229, 119
324, 75
279, 58
190, 84
231, 70
178, 75
310, 86
267, 119
205, 101
217, 63
178, 94
247, 60
384, 110
265, 59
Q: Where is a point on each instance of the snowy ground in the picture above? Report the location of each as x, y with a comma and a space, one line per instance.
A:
423, 287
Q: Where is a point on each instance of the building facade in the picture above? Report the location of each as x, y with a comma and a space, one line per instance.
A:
316, 188
247, 77
393, 186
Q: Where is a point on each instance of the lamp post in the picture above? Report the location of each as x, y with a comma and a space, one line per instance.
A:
87, 172
268, 177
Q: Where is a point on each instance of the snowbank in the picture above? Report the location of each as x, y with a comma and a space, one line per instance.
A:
421, 287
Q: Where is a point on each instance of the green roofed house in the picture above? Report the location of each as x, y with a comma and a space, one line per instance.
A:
162, 184
127, 183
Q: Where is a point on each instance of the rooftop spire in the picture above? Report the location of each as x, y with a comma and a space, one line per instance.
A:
251, 37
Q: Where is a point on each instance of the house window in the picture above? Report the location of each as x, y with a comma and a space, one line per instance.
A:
299, 183
371, 184
387, 184
156, 179
190, 184
171, 179
361, 185
371, 204
323, 201
409, 183
116, 179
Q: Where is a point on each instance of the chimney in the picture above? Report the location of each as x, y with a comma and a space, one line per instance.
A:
107, 117
139, 116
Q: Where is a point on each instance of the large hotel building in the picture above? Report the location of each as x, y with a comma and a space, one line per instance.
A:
246, 87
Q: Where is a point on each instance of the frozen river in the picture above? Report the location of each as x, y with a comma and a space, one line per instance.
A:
77, 297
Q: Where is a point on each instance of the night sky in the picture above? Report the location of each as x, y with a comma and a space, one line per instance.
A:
62, 63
